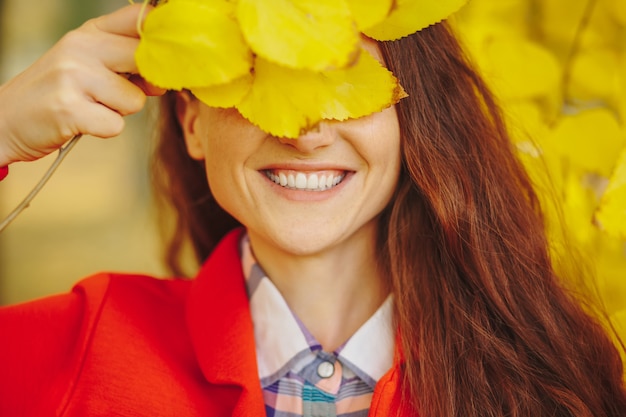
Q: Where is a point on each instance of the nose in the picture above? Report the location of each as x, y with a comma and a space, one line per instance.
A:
319, 136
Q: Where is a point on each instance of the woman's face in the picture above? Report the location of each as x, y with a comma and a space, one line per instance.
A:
302, 196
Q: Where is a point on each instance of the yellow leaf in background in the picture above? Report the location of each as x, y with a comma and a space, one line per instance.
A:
367, 14
187, 43
285, 102
595, 75
617, 9
611, 215
621, 89
482, 19
519, 69
408, 16
312, 34
558, 22
224, 95
525, 121
606, 27
590, 140
578, 205
611, 270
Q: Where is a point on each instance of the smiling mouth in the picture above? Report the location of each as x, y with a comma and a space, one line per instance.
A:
306, 181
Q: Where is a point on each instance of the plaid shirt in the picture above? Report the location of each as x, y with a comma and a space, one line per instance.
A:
299, 378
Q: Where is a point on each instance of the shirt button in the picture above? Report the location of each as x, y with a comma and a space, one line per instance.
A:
325, 369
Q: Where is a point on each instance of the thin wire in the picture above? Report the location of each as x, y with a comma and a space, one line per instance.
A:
29, 198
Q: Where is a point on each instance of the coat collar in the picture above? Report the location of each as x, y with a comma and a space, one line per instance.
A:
220, 326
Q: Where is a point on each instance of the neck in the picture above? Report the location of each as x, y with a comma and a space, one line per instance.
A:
333, 292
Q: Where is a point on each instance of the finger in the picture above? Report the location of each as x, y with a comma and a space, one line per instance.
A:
98, 120
118, 53
117, 93
93, 47
122, 21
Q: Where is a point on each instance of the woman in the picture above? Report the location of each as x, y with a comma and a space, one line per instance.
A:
394, 264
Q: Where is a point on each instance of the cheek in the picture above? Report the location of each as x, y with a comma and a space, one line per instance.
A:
227, 140
386, 151
224, 166
228, 143
223, 184
384, 146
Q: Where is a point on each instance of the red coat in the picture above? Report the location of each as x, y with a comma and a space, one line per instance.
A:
130, 345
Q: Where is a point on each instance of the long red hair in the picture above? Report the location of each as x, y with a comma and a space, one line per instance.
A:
487, 328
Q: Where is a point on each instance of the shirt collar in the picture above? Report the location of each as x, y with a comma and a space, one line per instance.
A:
281, 338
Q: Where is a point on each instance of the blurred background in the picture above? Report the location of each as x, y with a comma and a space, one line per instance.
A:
95, 212
557, 66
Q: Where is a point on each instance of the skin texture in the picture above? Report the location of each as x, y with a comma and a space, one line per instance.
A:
307, 241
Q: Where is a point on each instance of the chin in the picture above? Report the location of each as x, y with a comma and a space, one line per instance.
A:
306, 242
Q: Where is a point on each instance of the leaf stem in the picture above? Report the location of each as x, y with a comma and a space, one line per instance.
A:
29, 198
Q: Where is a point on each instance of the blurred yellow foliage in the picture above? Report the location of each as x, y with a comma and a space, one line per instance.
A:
558, 68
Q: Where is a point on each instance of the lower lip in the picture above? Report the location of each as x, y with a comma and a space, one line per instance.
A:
307, 195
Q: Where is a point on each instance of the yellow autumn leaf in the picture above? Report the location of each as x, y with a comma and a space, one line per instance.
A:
368, 14
485, 18
611, 267
312, 34
590, 140
525, 122
621, 89
558, 22
189, 43
595, 75
409, 16
611, 215
617, 9
517, 68
604, 29
578, 206
224, 95
285, 101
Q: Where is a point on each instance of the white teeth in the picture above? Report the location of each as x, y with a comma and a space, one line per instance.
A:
282, 179
312, 182
302, 181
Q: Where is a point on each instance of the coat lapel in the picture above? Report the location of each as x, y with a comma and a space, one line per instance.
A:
221, 330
